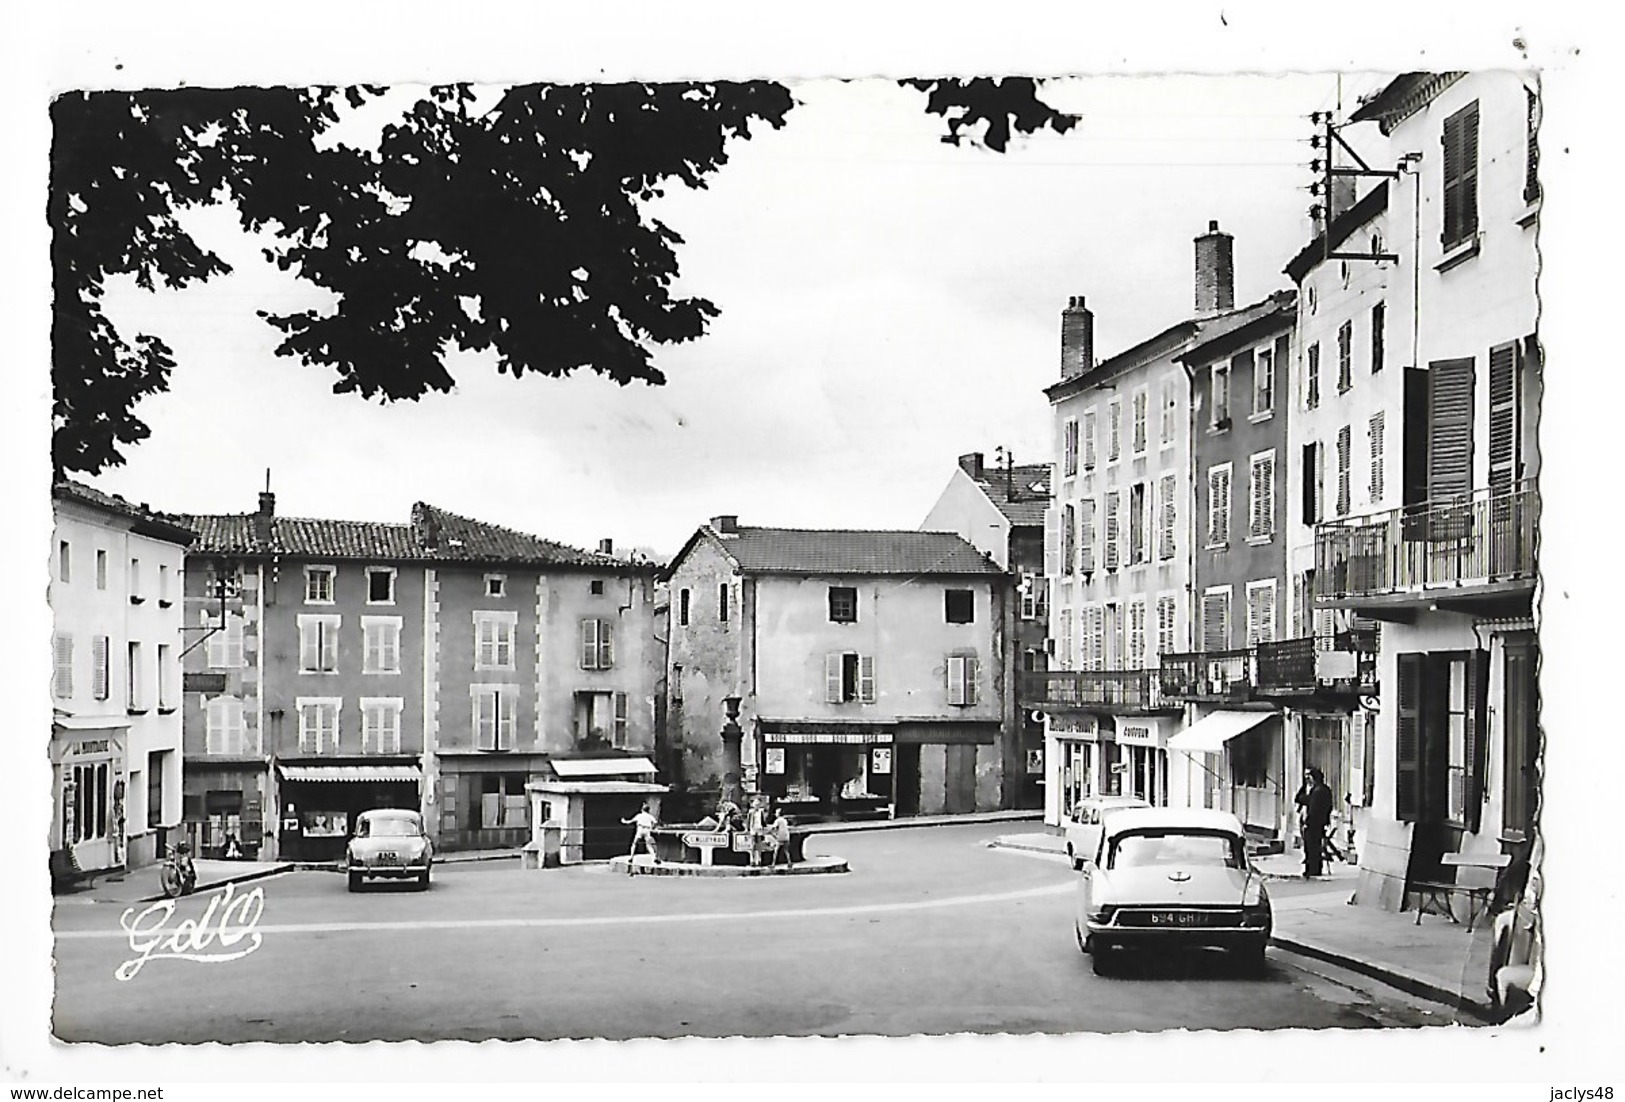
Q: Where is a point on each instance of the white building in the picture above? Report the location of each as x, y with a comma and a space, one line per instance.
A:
115, 595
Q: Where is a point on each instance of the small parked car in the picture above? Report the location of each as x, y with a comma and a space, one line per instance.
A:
1083, 824
389, 843
1166, 879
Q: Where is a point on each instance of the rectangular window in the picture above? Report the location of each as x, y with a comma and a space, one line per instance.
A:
319, 644
621, 716
223, 726
64, 562
1096, 638
1086, 535
62, 674
1263, 382
963, 670
1136, 634
1379, 322
596, 587
849, 677
1068, 540
1165, 625
1111, 530
163, 585
319, 585
1141, 417
381, 643
1312, 497
959, 606
597, 644
1069, 448
843, 604
1067, 656
682, 607
1216, 619
381, 725
380, 585
1218, 505
1377, 426
1345, 357
496, 585
1345, 446
318, 725
1030, 587
1261, 498
722, 603
225, 645
495, 707
135, 581
1311, 386
1168, 492
1089, 450
136, 682
101, 569
1460, 177
1114, 431
166, 694
1170, 402
1260, 613
494, 633
1221, 396
1139, 549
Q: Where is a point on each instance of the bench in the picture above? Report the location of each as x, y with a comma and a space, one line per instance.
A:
1435, 895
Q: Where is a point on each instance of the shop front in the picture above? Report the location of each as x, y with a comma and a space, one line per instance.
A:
87, 758
1142, 759
834, 771
1239, 761
224, 810
319, 803
1079, 760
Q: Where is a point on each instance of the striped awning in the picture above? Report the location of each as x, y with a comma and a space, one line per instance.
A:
571, 768
351, 773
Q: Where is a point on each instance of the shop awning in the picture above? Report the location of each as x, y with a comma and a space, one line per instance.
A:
597, 788
572, 768
90, 723
355, 773
1209, 734
828, 738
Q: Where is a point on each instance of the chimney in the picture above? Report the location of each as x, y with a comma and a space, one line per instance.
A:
264, 518
971, 464
1215, 271
606, 547
725, 525
1077, 338
1345, 192
425, 527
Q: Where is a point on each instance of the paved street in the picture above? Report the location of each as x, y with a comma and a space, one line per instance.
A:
932, 932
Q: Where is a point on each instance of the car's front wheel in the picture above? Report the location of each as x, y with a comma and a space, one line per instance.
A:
355, 881
423, 881
1104, 959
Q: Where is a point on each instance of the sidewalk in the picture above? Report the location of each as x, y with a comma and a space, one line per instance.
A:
1436, 960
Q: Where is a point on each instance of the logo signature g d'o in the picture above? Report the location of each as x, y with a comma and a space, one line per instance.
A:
225, 931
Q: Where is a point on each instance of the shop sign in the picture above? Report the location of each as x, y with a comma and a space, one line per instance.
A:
92, 746
747, 843
1134, 734
200, 682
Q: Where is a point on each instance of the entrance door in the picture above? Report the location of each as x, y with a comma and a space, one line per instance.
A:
960, 781
906, 765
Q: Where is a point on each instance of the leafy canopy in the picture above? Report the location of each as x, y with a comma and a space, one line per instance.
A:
514, 225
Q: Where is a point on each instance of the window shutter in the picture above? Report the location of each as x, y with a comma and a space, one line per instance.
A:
620, 719
1450, 441
1478, 687
1378, 424
1111, 530
1460, 176
1312, 377
1086, 535
589, 644
485, 720
1379, 318
1408, 740
606, 645
1089, 440
1069, 448
1136, 635
1345, 445
866, 678
1215, 622
1218, 517
330, 646
505, 720
956, 679
1503, 417
973, 679
1052, 542
832, 678
1069, 540
100, 648
1255, 500
1267, 507
309, 645
1140, 419
1165, 543
373, 641
1114, 430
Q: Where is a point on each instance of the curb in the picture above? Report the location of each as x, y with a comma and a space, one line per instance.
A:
920, 822
1403, 981
243, 879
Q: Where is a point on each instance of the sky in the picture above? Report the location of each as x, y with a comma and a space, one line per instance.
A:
888, 302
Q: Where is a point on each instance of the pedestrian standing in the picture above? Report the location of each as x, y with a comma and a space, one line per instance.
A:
756, 829
1314, 802
643, 824
779, 831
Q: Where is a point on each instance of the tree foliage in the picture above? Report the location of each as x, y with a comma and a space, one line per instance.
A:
513, 224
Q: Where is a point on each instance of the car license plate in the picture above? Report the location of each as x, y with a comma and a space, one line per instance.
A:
1175, 918
389, 859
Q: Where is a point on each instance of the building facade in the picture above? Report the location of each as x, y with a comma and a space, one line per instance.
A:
115, 596
1449, 567
440, 664
1000, 511
873, 672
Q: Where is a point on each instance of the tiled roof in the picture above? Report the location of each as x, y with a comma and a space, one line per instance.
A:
148, 520
433, 535
1031, 483
814, 551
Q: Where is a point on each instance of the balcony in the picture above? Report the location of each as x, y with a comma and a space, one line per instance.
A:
1472, 553
1067, 690
1344, 663
1223, 676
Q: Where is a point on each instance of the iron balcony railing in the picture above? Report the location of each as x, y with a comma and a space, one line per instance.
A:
1342, 662
1209, 675
1129, 689
1475, 541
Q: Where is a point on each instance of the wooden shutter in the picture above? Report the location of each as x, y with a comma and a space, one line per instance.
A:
866, 678
1378, 425
956, 679
1504, 457
1111, 530
1345, 356
1218, 518
1086, 535
1450, 445
1069, 539
1460, 176
329, 635
620, 719
1521, 744
1089, 440
1266, 613
1312, 377
1097, 638
1069, 448
1379, 319
589, 644
1215, 622
1114, 430
1414, 460
100, 645
1345, 461
832, 678
1052, 542
1311, 478
1165, 625
1136, 635
1169, 486
505, 719
373, 642
973, 679
485, 719
1408, 740
1140, 400
1478, 689
606, 645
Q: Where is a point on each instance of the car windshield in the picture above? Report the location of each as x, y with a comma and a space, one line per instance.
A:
386, 828
1176, 847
